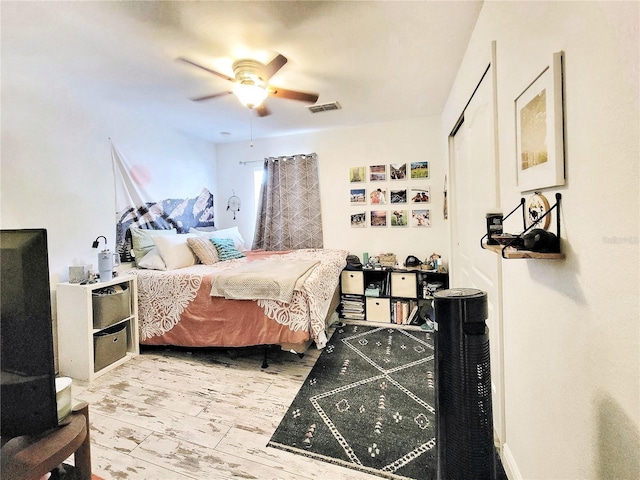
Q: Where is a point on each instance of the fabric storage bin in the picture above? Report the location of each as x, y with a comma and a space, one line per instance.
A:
404, 285
378, 309
352, 282
109, 345
110, 308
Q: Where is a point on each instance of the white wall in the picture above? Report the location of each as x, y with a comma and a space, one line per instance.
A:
57, 171
572, 330
338, 150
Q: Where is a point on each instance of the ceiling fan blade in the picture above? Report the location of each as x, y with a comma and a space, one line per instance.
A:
262, 111
221, 75
273, 66
209, 97
293, 95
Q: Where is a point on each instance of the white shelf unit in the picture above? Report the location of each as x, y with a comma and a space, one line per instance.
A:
76, 332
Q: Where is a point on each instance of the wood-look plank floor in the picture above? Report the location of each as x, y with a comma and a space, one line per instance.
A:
173, 414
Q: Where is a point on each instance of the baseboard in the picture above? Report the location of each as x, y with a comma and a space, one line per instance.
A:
509, 464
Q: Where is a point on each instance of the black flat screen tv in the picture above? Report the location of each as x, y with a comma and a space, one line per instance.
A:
28, 392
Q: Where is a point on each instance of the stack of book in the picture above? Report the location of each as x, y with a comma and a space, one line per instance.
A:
404, 312
352, 307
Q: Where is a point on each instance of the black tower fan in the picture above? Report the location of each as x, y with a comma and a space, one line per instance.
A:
463, 396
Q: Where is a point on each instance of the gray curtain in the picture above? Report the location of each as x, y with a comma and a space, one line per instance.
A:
289, 209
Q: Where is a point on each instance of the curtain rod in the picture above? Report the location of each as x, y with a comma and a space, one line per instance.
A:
291, 157
284, 157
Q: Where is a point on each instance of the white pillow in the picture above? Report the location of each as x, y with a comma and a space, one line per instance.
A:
142, 239
175, 251
201, 233
232, 233
152, 260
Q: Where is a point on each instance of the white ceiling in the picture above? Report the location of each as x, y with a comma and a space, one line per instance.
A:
382, 61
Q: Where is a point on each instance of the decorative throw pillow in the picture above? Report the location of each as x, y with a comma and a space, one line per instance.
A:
175, 251
204, 250
226, 249
142, 239
232, 233
152, 260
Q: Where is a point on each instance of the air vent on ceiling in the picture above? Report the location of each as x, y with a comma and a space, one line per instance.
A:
324, 107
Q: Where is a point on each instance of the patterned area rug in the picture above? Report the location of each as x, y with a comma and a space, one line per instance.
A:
368, 404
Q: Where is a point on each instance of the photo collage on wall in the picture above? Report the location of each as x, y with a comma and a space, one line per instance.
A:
392, 194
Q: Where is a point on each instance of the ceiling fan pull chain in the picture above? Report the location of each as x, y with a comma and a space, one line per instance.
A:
250, 128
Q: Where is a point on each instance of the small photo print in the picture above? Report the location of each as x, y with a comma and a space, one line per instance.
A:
420, 218
398, 171
378, 218
358, 196
419, 169
378, 196
356, 174
377, 173
399, 196
359, 220
399, 218
420, 195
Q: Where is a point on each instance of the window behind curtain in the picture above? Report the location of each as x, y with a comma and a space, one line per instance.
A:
289, 215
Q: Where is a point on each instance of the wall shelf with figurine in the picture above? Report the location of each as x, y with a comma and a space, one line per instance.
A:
534, 241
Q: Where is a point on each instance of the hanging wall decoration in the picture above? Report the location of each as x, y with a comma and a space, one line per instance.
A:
359, 219
356, 174
445, 208
398, 171
420, 195
135, 207
421, 218
377, 173
419, 170
540, 130
537, 206
233, 204
358, 196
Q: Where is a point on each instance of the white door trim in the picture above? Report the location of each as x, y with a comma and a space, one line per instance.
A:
489, 74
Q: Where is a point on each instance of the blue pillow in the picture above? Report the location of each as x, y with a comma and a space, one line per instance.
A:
226, 249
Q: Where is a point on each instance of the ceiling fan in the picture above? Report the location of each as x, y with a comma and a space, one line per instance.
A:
251, 83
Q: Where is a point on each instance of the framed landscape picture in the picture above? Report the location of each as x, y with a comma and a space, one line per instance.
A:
540, 130
358, 196
377, 173
398, 196
378, 218
419, 170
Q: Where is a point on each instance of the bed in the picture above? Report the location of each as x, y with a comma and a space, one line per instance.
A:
197, 306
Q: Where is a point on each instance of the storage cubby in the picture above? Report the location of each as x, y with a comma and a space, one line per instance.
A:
388, 296
96, 333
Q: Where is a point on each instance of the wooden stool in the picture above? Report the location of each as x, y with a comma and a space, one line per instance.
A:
30, 457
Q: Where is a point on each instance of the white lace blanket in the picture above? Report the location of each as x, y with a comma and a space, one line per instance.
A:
164, 296
274, 278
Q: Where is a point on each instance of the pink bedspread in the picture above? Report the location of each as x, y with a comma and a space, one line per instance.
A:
175, 307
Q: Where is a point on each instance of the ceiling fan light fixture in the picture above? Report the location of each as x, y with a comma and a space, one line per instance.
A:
250, 94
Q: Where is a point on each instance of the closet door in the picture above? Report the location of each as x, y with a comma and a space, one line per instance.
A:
474, 192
